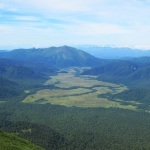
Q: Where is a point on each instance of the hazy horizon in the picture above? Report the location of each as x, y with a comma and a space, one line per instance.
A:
84, 47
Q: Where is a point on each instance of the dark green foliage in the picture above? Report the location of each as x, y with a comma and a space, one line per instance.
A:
14, 89
41, 135
8, 89
79, 128
12, 142
140, 95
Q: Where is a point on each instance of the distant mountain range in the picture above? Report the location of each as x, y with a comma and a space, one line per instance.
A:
107, 52
30, 64
34, 63
53, 57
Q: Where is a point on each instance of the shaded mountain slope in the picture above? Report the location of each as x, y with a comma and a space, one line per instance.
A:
140, 60
135, 75
54, 57
8, 89
120, 71
16, 77
17, 70
116, 68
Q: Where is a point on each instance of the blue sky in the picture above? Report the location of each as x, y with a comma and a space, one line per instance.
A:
45, 23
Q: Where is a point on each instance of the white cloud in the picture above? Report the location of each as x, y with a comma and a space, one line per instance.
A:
6, 6
1, 6
97, 21
26, 18
58, 5
93, 29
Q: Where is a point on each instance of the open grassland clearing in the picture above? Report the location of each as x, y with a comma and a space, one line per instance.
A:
80, 91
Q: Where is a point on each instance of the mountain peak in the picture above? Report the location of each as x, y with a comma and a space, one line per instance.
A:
54, 57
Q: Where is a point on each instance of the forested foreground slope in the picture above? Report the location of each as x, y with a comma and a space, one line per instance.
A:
64, 128
12, 142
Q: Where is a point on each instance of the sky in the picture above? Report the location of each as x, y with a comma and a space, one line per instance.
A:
45, 23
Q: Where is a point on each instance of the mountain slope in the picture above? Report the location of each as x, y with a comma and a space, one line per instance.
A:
54, 57
121, 71
116, 68
140, 60
135, 76
16, 77
11, 142
8, 89
14, 69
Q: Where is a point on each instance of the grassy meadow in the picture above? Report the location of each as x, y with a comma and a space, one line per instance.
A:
77, 90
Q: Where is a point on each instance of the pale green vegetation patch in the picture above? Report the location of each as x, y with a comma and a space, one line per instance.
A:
27, 131
80, 91
2, 102
27, 91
